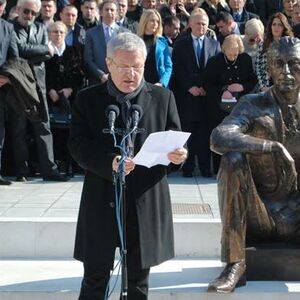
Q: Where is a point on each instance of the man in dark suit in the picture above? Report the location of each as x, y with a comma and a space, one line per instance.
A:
226, 25
96, 40
148, 209
123, 20
9, 48
171, 30
76, 33
89, 11
190, 54
240, 14
32, 40
48, 11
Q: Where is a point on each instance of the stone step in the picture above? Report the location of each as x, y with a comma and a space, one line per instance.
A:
177, 279
54, 238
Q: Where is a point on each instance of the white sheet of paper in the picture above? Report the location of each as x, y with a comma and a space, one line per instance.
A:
158, 145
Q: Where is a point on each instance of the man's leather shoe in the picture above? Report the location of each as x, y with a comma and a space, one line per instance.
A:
21, 178
187, 174
56, 177
232, 276
4, 182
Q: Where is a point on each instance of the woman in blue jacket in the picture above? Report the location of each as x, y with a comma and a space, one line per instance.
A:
158, 66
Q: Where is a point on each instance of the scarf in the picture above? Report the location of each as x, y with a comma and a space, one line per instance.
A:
124, 99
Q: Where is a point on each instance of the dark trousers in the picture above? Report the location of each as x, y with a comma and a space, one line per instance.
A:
243, 210
2, 123
44, 143
198, 145
95, 279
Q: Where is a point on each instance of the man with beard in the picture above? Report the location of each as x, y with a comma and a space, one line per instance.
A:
257, 180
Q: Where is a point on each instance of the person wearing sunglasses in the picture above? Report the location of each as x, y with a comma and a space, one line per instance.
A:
254, 34
32, 40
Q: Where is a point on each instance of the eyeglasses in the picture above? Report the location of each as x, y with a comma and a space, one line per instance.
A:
58, 32
127, 69
27, 11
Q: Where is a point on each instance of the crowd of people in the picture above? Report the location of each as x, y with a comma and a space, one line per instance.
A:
208, 52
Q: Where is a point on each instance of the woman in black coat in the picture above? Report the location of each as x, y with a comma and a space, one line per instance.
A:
228, 75
64, 77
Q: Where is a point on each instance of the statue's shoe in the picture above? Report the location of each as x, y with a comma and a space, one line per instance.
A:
231, 277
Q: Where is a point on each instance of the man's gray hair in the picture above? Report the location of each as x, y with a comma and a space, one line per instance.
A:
280, 46
125, 41
37, 3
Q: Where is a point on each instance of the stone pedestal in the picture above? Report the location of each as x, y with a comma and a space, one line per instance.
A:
274, 261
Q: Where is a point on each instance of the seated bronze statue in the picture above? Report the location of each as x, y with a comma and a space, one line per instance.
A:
257, 180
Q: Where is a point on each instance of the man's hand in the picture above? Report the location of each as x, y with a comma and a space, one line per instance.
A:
67, 92
3, 80
286, 162
202, 91
178, 156
195, 91
53, 95
104, 78
182, 9
129, 164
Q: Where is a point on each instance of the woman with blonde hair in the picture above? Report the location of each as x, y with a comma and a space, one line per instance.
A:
158, 65
227, 77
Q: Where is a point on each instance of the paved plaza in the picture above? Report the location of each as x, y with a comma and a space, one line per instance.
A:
194, 197
37, 228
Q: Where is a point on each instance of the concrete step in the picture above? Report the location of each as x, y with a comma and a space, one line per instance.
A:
54, 237
178, 279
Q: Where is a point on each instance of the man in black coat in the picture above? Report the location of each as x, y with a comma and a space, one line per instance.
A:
32, 40
9, 48
148, 215
188, 66
89, 11
240, 14
123, 20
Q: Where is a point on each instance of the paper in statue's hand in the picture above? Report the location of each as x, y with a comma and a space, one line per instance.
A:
157, 146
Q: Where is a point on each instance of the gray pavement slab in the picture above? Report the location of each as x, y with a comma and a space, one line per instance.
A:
194, 197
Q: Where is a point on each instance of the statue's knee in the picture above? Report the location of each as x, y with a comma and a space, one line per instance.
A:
233, 161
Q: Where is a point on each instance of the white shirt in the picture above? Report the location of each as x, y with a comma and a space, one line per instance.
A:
59, 51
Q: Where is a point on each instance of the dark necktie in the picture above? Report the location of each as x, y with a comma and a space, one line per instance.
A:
237, 17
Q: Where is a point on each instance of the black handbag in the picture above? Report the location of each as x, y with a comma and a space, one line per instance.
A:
60, 114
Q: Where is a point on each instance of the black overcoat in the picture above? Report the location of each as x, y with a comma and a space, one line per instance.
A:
146, 187
218, 74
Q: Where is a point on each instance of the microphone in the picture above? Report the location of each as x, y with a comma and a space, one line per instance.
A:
136, 114
112, 112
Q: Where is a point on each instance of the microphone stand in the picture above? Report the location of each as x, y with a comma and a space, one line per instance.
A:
120, 181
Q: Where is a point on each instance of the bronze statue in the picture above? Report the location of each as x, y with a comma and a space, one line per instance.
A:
257, 181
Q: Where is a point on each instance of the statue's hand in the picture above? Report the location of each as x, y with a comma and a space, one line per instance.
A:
288, 163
